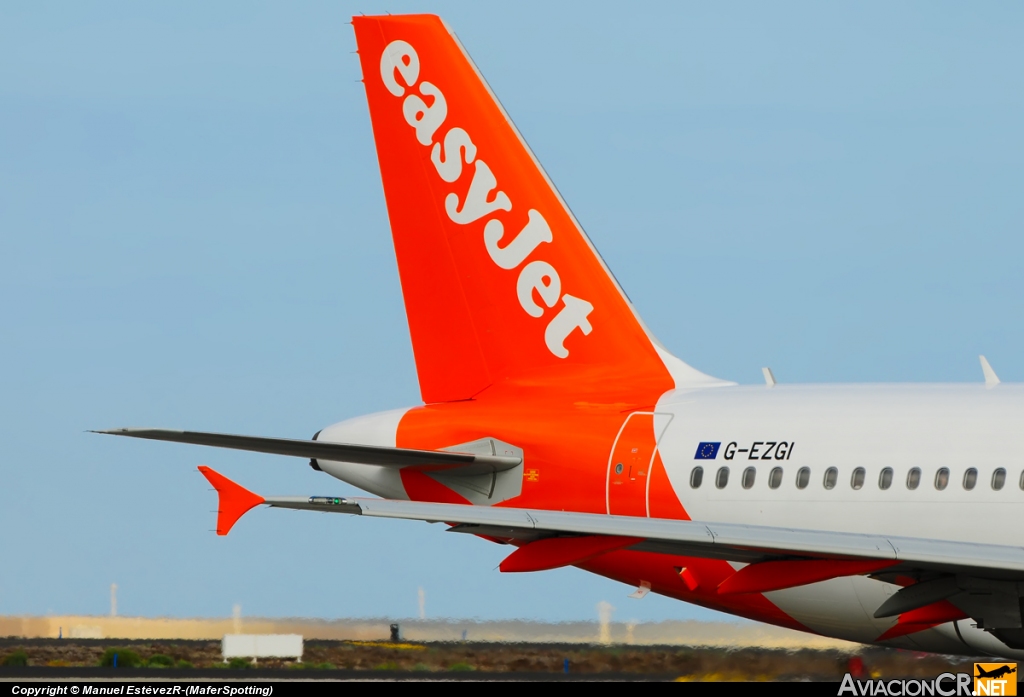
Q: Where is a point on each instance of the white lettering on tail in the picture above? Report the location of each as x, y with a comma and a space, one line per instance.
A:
425, 119
478, 201
483, 198
456, 142
531, 278
572, 316
400, 56
521, 246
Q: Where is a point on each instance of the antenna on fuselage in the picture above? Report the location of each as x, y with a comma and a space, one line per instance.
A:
991, 379
769, 379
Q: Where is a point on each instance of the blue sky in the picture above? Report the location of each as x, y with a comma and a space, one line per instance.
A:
193, 235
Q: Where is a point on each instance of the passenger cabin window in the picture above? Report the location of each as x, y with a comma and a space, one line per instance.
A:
803, 478
696, 477
885, 478
970, 478
1022, 480
998, 478
749, 475
857, 480
722, 478
913, 478
831, 477
775, 478
941, 478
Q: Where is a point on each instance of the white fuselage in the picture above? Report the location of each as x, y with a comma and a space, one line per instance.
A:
874, 427
901, 427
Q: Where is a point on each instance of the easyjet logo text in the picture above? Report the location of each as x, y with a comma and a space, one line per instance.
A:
538, 288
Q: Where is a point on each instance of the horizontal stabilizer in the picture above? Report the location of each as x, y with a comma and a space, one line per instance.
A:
319, 450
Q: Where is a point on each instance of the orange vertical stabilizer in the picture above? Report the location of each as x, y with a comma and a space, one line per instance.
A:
500, 282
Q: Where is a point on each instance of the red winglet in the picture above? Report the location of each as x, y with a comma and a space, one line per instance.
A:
234, 501
554, 552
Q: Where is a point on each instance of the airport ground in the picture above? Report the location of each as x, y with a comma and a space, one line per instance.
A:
731, 634
350, 659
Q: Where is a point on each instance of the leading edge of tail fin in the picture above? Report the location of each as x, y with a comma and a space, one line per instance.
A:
233, 500
500, 282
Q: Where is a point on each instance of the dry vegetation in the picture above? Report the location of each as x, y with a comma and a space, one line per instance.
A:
687, 662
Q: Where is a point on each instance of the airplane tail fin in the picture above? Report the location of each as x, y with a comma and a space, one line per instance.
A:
233, 500
500, 282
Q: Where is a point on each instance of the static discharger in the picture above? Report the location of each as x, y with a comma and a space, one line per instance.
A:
991, 379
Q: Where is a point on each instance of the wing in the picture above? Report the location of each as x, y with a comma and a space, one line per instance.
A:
338, 452
751, 544
982, 581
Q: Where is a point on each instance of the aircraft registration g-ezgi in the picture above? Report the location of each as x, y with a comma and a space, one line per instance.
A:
554, 422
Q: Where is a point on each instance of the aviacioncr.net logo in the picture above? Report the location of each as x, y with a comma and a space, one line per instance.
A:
945, 685
995, 679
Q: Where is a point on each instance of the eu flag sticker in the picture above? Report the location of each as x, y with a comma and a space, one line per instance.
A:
707, 451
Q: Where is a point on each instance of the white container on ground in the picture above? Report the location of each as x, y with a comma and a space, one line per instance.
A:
262, 646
